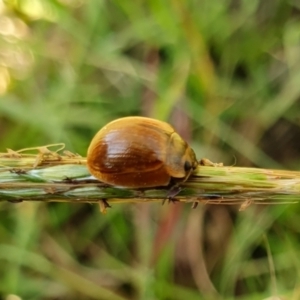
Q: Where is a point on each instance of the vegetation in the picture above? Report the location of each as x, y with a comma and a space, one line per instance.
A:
224, 73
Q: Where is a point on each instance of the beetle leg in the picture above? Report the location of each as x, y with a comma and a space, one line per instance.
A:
170, 200
173, 191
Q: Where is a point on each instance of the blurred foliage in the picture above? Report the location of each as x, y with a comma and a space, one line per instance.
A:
225, 73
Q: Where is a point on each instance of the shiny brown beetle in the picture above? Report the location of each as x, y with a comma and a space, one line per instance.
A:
139, 152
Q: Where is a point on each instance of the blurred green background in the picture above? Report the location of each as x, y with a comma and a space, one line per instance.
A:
225, 73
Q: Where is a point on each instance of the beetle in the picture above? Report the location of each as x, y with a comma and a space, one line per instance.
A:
140, 152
